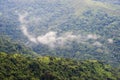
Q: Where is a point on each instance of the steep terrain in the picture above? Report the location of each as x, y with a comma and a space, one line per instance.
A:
10, 46
78, 29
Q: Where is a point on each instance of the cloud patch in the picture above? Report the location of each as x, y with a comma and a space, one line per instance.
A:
92, 36
110, 40
52, 39
98, 44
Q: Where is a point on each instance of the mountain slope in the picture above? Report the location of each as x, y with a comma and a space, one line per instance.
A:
79, 29
11, 46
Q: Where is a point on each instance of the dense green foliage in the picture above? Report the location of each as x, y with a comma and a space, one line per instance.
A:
62, 17
10, 46
85, 30
98, 19
19, 67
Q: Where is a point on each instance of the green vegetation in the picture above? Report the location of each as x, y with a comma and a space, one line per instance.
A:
19, 67
80, 17
10, 46
85, 30
98, 22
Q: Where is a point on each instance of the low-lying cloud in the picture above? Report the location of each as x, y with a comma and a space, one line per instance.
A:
110, 40
92, 36
23, 27
52, 39
98, 44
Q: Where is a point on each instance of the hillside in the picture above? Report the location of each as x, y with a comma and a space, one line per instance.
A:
77, 29
19, 67
10, 46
